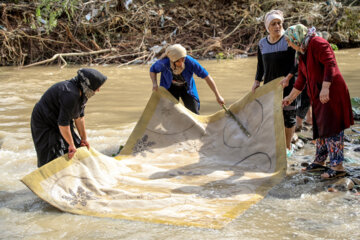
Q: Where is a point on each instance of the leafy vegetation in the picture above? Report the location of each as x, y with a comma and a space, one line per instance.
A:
334, 46
355, 103
48, 12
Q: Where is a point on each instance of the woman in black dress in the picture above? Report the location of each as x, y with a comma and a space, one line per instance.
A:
53, 117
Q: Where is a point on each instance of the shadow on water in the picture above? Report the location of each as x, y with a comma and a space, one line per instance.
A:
225, 188
209, 163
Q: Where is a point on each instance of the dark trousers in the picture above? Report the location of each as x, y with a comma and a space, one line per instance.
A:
188, 100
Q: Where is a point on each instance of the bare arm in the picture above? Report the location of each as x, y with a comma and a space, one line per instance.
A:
285, 81
66, 133
154, 81
255, 85
211, 83
325, 92
291, 97
80, 125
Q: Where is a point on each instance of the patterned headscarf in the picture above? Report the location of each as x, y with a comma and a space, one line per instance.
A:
300, 35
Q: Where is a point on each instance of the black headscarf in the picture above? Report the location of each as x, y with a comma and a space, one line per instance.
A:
89, 80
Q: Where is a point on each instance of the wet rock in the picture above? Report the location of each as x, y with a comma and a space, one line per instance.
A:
347, 138
307, 180
304, 164
300, 144
354, 38
354, 172
355, 130
343, 184
304, 138
356, 181
325, 35
357, 149
338, 37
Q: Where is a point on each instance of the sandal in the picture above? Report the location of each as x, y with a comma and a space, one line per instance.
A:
314, 167
307, 124
334, 174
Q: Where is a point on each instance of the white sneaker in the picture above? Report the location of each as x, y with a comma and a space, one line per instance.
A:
289, 152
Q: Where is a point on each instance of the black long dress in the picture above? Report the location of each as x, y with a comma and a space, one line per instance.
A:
59, 105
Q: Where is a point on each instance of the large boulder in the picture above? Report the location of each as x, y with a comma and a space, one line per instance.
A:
339, 38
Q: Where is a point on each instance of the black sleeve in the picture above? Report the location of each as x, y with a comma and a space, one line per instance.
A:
294, 67
82, 111
67, 105
260, 66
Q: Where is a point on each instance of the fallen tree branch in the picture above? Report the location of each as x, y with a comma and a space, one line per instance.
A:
75, 40
127, 63
236, 28
62, 55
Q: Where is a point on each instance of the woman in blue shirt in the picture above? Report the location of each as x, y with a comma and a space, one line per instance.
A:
177, 71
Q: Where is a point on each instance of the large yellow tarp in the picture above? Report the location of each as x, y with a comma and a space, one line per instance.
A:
176, 167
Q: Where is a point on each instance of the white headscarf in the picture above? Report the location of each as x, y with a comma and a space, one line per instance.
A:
273, 14
174, 53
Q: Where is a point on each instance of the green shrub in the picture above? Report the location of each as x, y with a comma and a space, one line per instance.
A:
48, 12
334, 46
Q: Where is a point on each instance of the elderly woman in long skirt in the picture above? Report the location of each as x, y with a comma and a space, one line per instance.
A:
329, 96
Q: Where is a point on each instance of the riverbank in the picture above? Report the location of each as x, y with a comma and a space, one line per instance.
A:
128, 32
304, 155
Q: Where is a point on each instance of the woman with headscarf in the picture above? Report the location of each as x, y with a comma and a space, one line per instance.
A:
53, 116
329, 95
277, 59
177, 71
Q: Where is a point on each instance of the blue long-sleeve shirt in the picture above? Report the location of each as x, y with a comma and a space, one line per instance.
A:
191, 66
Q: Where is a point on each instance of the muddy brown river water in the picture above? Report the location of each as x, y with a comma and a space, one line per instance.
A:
298, 208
